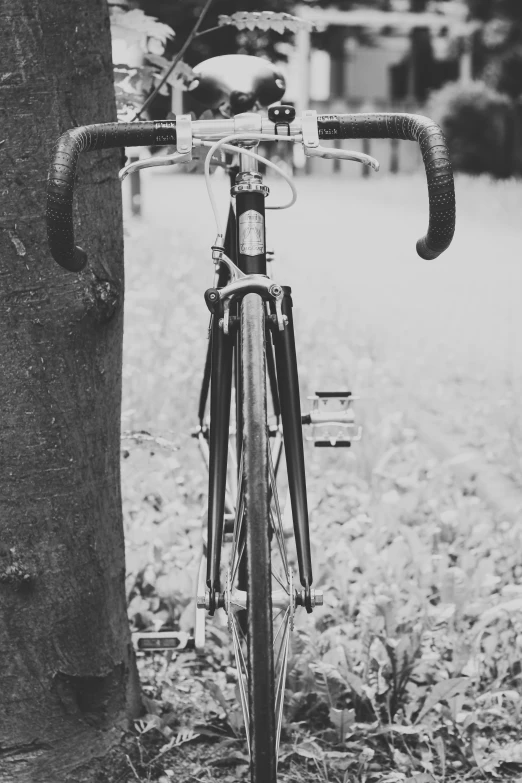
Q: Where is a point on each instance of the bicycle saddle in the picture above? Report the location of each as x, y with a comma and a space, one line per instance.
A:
235, 83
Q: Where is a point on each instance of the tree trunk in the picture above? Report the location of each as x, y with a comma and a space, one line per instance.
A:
67, 674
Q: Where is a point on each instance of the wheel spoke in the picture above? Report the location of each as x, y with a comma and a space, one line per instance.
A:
237, 561
280, 687
233, 474
280, 627
278, 530
278, 579
242, 676
280, 541
277, 451
284, 624
281, 617
238, 522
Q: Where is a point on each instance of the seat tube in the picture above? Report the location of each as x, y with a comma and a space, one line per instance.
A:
288, 382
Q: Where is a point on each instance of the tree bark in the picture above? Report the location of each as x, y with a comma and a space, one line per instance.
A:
67, 673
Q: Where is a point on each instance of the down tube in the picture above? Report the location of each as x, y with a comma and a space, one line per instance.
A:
288, 383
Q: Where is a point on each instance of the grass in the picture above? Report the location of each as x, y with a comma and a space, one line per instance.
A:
412, 668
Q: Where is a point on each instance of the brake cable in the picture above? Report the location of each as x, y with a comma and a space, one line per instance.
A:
222, 143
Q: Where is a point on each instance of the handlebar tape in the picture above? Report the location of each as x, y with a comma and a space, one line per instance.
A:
412, 127
62, 174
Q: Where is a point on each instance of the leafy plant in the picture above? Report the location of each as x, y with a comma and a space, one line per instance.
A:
136, 37
264, 20
136, 29
476, 121
411, 669
499, 44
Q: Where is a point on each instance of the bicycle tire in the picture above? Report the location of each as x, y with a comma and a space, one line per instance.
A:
259, 597
255, 483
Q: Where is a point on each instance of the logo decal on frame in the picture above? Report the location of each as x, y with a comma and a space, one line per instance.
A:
251, 233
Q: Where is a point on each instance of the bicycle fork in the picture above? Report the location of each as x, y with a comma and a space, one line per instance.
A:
280, 304
220, 399
288, 387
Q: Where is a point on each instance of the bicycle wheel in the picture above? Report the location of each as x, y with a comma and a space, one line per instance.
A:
261, 638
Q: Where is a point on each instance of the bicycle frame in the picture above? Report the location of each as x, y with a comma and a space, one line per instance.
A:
245, 245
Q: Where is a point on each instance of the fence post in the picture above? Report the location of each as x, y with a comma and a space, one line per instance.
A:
302, 59
367, 149
134, 182
394, 156
338, 107
367, 108
336, 161
517, 137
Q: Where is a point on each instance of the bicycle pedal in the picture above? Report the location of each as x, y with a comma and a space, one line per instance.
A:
333, 443
158, 641
229, 525
332, 395
332, 420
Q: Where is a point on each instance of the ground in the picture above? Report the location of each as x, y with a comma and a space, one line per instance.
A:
411, 670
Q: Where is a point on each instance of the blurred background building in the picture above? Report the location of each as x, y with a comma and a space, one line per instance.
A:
385, 57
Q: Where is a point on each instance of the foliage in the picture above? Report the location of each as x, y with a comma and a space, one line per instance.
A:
269, 43
137, 39
504, 70
500, 43
423, 584
227, 39
139, 73
263, 20
410, 665
139, 27
491, 9
476, 120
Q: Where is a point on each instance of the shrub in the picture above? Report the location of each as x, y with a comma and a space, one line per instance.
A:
477, 121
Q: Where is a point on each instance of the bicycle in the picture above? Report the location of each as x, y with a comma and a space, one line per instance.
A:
251, 361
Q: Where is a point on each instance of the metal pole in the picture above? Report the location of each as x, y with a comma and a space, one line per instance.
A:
135, 189
466, 60
302, 41
394, 156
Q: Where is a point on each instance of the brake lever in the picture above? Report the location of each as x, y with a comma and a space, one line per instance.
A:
312, 148
163, 160
339, 154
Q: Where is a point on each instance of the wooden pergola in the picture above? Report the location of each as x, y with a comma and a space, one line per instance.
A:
377, 22
402, 21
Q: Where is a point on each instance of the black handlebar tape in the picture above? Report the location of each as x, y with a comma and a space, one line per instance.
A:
412, 127
62, 174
